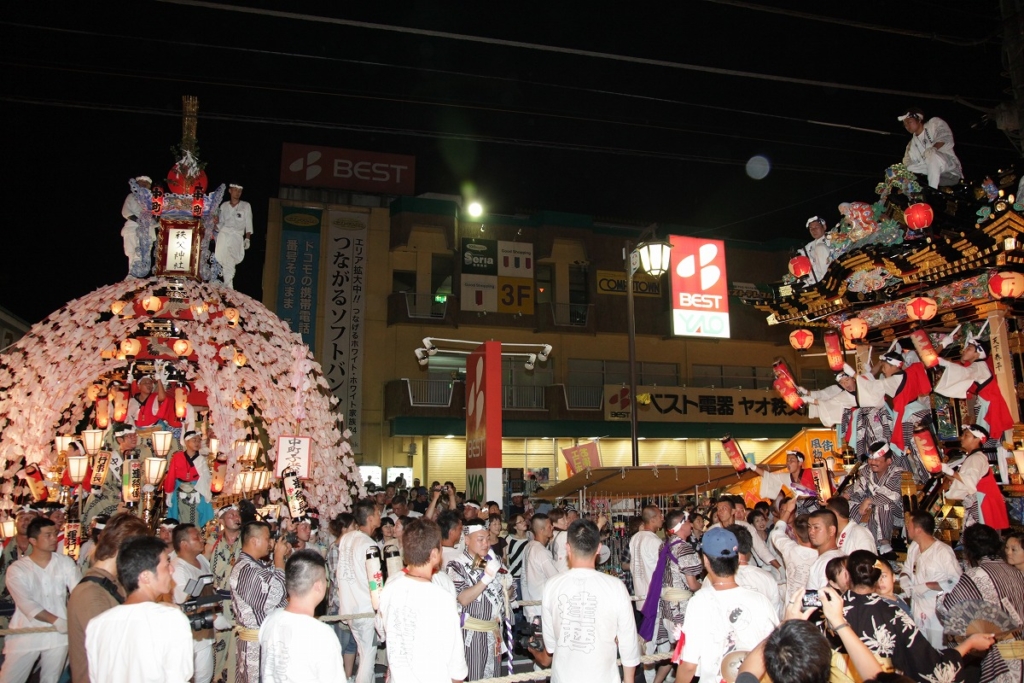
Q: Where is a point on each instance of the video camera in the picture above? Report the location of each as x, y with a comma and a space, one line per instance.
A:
529, 635
202, 610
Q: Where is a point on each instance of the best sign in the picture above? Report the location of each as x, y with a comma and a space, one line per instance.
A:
700, 288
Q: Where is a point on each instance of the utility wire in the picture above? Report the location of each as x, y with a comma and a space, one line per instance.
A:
410, 132
558, 50
438, 103
464, 74
849, 23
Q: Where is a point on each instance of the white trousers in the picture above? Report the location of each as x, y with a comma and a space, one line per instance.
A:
229, 253
18, 665
202, 651
940, 169
364, 632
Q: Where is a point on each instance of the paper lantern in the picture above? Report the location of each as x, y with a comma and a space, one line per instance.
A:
103, 412
118, 306
180, 401
834, 350
157, 206
854, 329
131, 347
162, 443
93, 392
922, 308
232, 315
152, 304
919, 216
787, 390
800, 266
801, 340
924, 441
182, 347
197, 203
924, 348
240, 359
781, 369
178, 183
735, 453
1006, 285
120, 399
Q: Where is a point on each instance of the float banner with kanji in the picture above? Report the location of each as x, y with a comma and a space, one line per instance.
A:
579, 458
293, 453
299, 271
689, 404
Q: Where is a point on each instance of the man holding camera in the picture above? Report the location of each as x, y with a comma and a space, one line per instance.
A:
586, 616
143, 640
257, 588
190, 565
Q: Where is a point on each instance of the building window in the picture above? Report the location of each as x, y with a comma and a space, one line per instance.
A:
817, 379
403, 281
596, 373
731, 377
543, 284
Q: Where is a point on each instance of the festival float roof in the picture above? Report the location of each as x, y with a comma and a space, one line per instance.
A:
625, 482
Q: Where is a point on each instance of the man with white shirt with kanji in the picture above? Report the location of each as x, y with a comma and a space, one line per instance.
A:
852, 536
40, 584
354, 588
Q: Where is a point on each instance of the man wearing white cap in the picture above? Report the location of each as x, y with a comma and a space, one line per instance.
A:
974, 484
877, 496
234, 228
817, 249
131, 210
930, 150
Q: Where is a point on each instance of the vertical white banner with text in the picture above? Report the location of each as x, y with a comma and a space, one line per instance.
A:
345, 312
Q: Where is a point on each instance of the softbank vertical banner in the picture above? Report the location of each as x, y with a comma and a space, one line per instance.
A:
342, 341
483, 422
700, 288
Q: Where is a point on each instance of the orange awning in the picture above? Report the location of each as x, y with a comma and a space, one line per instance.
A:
626, 482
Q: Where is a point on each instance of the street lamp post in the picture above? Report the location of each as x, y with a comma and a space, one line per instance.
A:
653, 258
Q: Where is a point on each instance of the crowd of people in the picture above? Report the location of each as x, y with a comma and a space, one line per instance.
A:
429, 585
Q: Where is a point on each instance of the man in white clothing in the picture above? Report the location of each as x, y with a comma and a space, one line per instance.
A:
39, 584
798, 555
539, 565
723, 618
644, 551
234, 229
131, 211
189, 564
749, 576
831, 403
852, 536
821, 531
559, 546
930, 150
587, 615
726, 513
817, 249
143, 640
418, 619
294, 644
931, 569
354, 587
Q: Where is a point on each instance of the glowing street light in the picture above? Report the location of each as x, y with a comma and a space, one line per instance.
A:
475, 209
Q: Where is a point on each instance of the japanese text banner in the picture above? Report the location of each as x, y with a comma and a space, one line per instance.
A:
299, 270
690, 404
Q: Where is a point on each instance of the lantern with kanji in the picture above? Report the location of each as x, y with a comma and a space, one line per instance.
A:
197, 202
924, 348
157, 206
232, 316
922, 308
801, 340
800, 266
919, 216
834, 350
118, 306
854, 329
735, 453
924, 442
781, 369
131, 346
787, 390
1006, 285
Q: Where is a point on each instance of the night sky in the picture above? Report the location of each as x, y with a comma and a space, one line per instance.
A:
91, 97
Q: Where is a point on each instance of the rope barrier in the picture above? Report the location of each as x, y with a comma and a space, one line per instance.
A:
544, 674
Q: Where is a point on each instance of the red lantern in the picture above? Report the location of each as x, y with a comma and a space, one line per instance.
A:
854, 329
919, 216
924, 441
924, 348
1006, 285
179, 184
800, 266
787, 390
102, 413
158, 201
801, 340
732, 449
781, 369
922, 308
834, 351
197, 202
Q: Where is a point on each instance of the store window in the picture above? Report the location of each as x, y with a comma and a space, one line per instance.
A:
595, 373
731, 377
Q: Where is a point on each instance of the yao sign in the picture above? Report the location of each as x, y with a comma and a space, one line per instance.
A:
700, 289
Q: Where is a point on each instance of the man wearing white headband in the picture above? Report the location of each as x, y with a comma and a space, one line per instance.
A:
481, 584
132, 211
234, 228
876, 500
187, 483
817, 249
930, 150
105, 498
974, 484
972, 376
831, 403
904, 383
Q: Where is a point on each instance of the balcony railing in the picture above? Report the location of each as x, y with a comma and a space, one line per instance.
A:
584, 398
425, 306
523, 398
429, 392
570, 315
